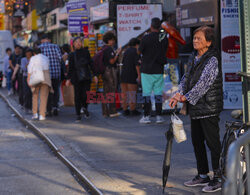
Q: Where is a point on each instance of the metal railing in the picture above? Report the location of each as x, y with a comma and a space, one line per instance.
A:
238, 167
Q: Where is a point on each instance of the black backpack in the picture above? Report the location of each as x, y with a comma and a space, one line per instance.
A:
98, 63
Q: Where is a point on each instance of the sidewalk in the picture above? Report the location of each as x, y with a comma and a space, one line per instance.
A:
27, 165
119, 155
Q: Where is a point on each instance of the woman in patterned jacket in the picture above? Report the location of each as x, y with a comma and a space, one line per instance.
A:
201, 90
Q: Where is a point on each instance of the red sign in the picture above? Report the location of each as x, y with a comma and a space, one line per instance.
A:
232, 77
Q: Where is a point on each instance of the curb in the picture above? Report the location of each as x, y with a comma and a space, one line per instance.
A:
82, 179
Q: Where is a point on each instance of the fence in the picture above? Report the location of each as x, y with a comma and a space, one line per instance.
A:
238, 167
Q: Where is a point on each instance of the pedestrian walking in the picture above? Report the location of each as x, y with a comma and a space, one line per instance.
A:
79, 75
201, 90
39, 62
7, 70
110, 78
27, 95
153, 48
130, 77
52, 51
65, 54
15, 61
65, 69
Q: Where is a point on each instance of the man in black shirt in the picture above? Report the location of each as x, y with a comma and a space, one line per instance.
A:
153, 48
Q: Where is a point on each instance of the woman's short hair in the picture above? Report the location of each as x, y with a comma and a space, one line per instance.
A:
108, 36
133, 42
66, 48
76, 38
8, 49
29, 50
209, 34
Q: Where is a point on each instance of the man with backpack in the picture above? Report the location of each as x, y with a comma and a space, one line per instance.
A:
105, 64
153, 48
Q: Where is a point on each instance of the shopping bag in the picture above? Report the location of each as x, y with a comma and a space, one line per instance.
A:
68, 95
36, 77
178, 129
4, 82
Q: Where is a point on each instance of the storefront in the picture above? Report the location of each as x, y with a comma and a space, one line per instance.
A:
190, 16
57, 31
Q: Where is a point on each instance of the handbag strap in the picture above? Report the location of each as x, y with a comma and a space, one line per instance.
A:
75, 60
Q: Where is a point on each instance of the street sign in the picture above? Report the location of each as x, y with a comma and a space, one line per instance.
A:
244, 15
76, 7
78, 16
76, 24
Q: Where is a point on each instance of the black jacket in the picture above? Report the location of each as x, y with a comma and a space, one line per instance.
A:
212, 102
81, 55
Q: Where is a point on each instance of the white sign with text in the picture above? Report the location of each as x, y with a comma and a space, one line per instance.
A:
135, 19
230, 54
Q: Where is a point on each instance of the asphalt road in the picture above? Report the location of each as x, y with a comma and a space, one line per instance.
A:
121, 156
27, 166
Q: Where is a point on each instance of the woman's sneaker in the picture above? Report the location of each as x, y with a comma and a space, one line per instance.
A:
35, 116
197, 181
213, 186
145, 120
159, 119
41, 118
115, 115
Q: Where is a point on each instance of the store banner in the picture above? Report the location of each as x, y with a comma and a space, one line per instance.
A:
135, 19
2, 22
76, 24
100, 12
230, 54
77, 7
78, 17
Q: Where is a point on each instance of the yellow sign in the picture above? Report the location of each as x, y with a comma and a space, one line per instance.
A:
34, 20
2, 22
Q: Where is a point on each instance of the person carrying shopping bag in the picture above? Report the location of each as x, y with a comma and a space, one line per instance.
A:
201, 90
40, 82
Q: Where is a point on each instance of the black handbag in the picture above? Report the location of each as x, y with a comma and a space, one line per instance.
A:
63, 71
82, 70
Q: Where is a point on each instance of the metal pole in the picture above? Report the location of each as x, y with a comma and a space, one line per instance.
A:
244, 20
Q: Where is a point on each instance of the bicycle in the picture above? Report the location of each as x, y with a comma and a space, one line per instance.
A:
234, 129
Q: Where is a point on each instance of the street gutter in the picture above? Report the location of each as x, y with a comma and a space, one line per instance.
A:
82, 179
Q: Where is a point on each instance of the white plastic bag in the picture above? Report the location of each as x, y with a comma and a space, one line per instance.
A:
178, 130
36, 77
4, 82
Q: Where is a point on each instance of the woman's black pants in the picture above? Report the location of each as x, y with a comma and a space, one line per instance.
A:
80, 90
206, 130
